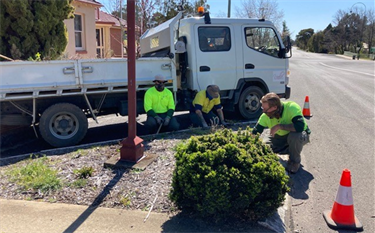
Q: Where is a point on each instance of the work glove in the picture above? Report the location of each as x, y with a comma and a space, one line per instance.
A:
166, 120
158, 119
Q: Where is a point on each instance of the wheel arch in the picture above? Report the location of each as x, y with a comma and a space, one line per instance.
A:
247, 82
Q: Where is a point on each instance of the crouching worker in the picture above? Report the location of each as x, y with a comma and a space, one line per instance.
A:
288, 129
201, 114
159, 106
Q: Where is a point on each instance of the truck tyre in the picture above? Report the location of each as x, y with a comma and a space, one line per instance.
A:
63, 124
249, 104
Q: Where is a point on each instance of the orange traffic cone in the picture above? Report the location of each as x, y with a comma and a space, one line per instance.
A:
342, 214
306, 108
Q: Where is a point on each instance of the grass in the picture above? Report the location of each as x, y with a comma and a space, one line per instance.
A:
36, 175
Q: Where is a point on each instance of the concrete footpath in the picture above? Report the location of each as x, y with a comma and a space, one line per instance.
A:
33, 216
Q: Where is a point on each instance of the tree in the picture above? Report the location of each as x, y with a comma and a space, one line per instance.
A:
285, 32
31, 27
261, 9
303, 37
316, 43
169, 9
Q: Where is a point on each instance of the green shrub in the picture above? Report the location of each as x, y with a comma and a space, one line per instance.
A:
225, 174
36, 175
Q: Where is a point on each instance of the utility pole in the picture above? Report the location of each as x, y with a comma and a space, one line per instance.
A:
132, 148
362, 29
229, 4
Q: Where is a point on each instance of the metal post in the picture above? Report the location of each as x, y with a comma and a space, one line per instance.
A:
132, 148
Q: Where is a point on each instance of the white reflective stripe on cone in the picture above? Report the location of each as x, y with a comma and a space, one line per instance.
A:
306, 105
344, 196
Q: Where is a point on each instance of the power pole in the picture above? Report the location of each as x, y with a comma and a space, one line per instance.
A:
229, 4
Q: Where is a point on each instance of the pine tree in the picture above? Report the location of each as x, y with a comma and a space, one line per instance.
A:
29, 27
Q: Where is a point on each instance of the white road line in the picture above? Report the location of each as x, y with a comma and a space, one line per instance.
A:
346, 69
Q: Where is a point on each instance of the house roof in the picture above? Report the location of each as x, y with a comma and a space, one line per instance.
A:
106, 18
91, 2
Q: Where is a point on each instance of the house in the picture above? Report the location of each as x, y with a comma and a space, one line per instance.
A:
108, 35
93, 33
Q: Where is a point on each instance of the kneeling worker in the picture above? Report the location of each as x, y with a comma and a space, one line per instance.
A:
200, 110
288, 129
159, 106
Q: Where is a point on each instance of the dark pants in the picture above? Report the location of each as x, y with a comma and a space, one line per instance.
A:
153, 126
196, 120
291, 144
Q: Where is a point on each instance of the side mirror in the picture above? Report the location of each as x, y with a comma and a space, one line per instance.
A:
288, 47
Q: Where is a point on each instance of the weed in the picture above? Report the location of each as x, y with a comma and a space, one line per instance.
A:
35, 175
125, 201
80, 183
52, 200
146, 208
79, 153
84, 172
136, 171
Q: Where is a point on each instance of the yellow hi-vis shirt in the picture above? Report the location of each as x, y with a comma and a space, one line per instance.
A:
158, 101
291, 110
206, 103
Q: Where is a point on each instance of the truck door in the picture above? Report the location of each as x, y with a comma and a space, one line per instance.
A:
215, 57
262, 57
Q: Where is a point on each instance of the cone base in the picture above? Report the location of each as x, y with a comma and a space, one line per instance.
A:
357, 226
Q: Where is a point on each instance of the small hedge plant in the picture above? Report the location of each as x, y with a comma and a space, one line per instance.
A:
228, 174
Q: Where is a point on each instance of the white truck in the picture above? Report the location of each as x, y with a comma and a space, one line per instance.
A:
246, 58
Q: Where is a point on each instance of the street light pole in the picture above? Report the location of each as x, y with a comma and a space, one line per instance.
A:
363, 26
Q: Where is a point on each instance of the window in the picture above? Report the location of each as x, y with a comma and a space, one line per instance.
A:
78, 30
263, 40
99, 43
213, 39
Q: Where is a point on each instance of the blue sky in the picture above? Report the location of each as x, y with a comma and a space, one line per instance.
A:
298, 14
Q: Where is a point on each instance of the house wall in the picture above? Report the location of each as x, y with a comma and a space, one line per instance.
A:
88, 32
116, 44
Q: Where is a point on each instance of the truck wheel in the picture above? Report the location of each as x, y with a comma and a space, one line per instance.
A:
63, 125
249, 104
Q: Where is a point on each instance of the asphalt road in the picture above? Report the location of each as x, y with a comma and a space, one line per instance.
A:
341, 94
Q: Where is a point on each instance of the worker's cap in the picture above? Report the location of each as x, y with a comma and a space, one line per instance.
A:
160, 78
213, 91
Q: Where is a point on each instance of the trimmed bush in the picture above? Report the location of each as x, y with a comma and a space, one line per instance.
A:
225, 174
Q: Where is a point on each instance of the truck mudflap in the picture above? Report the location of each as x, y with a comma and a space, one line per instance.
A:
286, 95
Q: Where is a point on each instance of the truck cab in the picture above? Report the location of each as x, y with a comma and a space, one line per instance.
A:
246, 58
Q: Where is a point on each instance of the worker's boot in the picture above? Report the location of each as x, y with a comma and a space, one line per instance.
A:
292, 167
